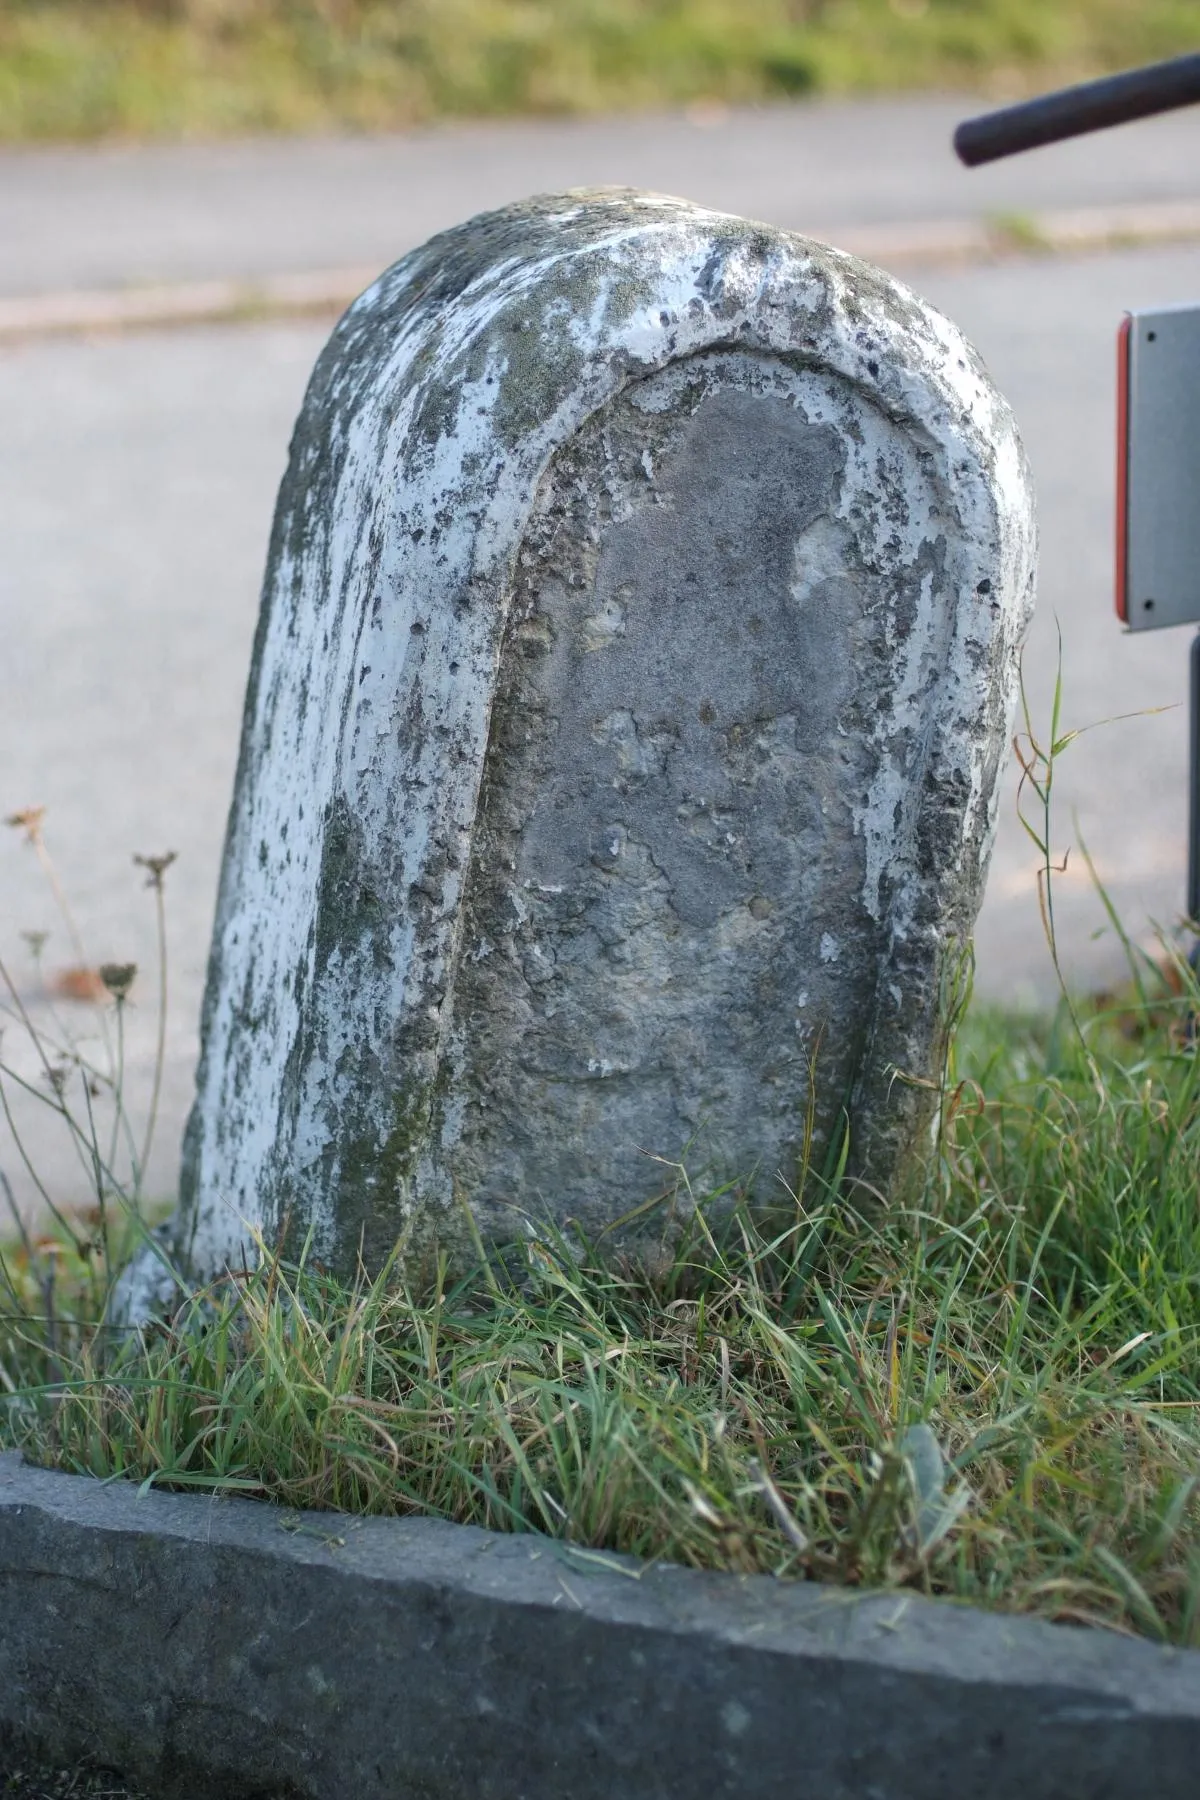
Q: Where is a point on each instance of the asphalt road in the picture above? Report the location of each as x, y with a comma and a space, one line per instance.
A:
85, 217
137, 477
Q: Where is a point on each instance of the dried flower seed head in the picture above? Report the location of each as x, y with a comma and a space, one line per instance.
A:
28, 820
156, 867
56, 1077
118, 978
36, 941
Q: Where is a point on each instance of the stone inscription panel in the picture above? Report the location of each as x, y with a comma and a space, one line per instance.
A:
667, 900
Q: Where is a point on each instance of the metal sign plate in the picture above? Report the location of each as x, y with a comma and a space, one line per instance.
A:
1158, 468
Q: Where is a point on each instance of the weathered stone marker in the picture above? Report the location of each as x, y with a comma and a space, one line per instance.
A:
634, 671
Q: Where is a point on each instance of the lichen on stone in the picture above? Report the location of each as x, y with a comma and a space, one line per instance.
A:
641, 620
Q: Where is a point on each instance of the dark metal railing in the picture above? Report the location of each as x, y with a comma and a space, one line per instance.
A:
1138, 94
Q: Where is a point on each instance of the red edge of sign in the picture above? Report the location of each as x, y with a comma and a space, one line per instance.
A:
1124, 337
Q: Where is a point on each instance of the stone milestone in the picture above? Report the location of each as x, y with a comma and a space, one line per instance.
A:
634, 671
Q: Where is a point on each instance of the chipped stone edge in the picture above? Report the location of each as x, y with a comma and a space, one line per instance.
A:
516, 1668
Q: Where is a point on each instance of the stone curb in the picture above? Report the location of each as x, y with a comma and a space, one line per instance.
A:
228, 1649
75, 312
321, 293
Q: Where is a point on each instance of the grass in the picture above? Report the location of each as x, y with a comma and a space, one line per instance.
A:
993, 1395
26, 1778
84, 69
991, 1392
1019, 232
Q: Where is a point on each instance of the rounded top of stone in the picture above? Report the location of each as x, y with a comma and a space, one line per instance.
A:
511, 328
552, 303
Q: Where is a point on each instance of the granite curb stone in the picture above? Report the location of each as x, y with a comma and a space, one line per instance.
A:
228, 1648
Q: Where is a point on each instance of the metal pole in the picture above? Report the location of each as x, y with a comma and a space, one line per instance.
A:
1193, 887
1089, 107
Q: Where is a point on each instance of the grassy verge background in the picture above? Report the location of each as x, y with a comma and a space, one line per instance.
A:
172, 68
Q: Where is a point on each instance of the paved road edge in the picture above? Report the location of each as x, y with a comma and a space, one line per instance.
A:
324, 293
229, 1648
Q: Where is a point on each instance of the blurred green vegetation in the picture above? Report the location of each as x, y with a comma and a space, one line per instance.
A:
179, 68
